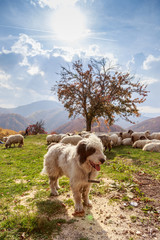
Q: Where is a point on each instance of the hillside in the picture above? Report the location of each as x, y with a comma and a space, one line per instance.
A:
79, 125
13, 121
51, 112
152, 124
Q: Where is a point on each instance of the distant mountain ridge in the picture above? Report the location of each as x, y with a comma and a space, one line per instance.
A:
51, 112
152, 124
56, 118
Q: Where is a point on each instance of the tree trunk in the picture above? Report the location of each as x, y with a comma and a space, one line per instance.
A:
88, 124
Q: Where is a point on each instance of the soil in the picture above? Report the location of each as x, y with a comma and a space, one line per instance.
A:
116, 220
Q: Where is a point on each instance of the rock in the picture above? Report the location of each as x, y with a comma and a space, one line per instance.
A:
134, 204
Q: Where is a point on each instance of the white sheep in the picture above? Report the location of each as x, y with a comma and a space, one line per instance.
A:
152, 147
5, 139
155, 135
124, 135
71, 139
54, 138
13, 139
106, 140
142, 143
114, 139
119, 141
127, 141
139, 135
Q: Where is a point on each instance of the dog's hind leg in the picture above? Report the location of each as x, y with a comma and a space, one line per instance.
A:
53, 182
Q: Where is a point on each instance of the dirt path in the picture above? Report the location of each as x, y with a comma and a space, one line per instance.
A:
108, 220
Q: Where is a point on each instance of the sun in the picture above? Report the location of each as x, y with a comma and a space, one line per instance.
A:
69, 24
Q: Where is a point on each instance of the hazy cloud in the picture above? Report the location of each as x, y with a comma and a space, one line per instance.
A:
149, 60
54, 4
4, 77
149, 109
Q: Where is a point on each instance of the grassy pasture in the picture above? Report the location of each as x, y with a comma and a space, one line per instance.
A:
26, 211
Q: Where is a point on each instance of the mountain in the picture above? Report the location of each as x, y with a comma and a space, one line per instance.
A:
125, 124
13, 121
78, 124
51, 112
152, 124
29, 109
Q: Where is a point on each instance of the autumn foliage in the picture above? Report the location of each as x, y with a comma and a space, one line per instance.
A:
99, 90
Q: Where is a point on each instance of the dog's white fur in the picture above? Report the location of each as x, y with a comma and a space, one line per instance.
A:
75, 162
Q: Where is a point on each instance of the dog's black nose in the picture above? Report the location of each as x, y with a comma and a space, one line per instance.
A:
102, 160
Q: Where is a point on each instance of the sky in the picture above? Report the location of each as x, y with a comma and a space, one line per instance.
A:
37, 37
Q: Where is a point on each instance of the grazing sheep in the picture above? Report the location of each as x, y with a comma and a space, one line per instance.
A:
119, 143
5, 139
13, 139
155, 135
142, 143
54, 138
152, 147
124, 135
106, 140
127, 141
139, 135
71, 139
114, 139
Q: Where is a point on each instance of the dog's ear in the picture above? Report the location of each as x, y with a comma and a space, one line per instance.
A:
84, 152
81, 150
90, 151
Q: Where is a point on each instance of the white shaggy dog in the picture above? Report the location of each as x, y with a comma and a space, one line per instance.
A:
80, 163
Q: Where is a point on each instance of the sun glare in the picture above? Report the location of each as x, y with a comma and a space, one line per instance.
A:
69, 24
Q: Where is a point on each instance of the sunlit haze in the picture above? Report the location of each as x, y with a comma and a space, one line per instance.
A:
69, 24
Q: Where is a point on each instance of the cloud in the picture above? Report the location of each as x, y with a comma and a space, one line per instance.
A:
27, 47
149, 109
54, 4
4, 83
149, 60
34, 70
68, 53
148, 80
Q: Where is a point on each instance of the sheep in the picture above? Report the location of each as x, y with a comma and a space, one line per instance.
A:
54, 138
152, 147
106, 140
114, 139
142, 143
127, 141
13, 139
5, 139
71, 139
124, 135
119, 141
139, 135
155, 135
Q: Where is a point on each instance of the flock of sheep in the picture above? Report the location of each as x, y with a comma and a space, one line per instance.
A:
143, 140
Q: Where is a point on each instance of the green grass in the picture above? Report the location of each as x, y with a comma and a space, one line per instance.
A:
25, 209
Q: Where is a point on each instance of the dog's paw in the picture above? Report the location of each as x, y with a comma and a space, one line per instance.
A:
79, 214
55, 193
79, 208
88, 203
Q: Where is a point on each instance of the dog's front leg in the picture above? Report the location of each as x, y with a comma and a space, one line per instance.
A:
85, 195
77, 199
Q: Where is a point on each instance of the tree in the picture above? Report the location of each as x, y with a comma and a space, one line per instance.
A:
35, 128
98, 90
